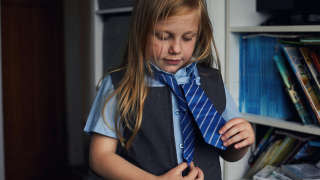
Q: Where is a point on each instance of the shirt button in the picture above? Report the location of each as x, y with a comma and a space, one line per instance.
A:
181, 146
177, 113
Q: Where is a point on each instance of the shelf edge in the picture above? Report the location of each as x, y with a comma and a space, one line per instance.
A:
301, 28
279, 123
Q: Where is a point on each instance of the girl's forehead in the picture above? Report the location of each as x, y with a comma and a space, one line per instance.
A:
187, 20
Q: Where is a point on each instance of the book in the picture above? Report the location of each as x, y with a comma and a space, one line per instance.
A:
315, 59
301, 171
309, 152
295, 60
263, 159
293, 152
267, 138
270, 173
260, 89
292, 89
313, 71
284, 148
300, 140
281, 148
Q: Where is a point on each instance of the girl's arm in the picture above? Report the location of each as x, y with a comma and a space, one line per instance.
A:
237, 136
105, 162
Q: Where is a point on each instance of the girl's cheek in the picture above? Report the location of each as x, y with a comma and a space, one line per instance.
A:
158, 50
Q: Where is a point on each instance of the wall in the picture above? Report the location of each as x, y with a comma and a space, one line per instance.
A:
79, 72
216, 10
1, 119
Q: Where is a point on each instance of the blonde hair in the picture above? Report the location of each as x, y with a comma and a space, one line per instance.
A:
132, 89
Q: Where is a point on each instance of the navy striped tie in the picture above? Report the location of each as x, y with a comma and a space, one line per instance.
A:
194, 104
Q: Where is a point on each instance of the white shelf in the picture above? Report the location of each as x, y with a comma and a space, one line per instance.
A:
244, 29
115, 10
279, 123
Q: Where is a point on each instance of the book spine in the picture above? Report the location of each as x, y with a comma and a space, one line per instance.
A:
294, 151
294, 59
315, 60
286, 145
263, 143
291, 88
307, 58
262, 160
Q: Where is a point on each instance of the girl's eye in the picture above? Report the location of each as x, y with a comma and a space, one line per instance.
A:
162, 36
187, 38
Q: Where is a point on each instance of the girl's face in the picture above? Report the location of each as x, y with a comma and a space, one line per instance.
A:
172, 43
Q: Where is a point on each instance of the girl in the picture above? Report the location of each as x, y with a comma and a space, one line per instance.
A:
143, 125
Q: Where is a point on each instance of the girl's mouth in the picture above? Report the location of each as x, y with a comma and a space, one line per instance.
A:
172, 61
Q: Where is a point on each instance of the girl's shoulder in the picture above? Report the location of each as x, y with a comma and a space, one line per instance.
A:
110, 79
105, 85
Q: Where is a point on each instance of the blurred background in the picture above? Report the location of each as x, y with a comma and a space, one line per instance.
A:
45, 79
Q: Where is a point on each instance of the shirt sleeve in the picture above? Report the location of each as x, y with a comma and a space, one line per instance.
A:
231, 111
95, 122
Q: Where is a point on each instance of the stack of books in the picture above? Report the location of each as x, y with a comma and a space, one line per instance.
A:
290, 80
301, 171
289, 172
281, 148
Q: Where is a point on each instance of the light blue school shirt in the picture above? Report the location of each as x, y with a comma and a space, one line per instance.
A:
96, 124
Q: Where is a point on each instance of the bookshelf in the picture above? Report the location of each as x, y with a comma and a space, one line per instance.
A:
241, 18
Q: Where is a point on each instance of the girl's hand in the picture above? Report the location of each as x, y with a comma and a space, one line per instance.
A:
176, 173
238, 132
200, 174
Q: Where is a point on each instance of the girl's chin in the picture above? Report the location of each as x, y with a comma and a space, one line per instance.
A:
170, 68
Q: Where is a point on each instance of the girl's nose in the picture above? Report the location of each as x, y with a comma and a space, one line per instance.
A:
175, 47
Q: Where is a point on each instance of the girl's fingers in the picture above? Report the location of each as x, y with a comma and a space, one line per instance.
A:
192, 173
200, 174
181, 167
192, 165
237, 138
242, 144
230, 124
242, 139
237, 131
233, 131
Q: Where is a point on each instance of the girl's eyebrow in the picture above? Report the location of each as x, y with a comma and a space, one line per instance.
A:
169, 32
191, 32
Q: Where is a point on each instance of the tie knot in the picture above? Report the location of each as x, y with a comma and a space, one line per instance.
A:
168, 78
162, 76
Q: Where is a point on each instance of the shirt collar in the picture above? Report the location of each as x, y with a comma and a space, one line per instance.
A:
182, 75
